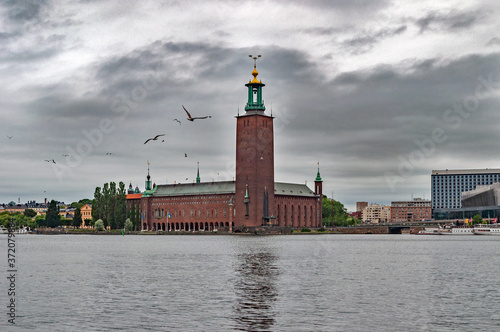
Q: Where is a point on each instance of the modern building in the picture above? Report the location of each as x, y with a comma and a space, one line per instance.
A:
447, 186
482, 196
406, 211
252, 200
376, 213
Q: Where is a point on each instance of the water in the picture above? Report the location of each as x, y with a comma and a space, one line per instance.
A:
248, 283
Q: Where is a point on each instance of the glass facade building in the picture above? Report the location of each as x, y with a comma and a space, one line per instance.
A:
447, 185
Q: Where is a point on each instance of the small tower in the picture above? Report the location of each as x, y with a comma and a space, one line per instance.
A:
318, 191
318, 184
148, 180
130, 189
198, 180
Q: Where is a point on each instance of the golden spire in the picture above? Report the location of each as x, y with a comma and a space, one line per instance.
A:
255, 72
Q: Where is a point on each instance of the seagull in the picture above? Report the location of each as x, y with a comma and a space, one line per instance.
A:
65, 155
180, 124
190, 118
154, 138
9, 137
186, 179
185, 154
109, 153
50, 161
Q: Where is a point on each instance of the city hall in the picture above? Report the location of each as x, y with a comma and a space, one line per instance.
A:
252, 202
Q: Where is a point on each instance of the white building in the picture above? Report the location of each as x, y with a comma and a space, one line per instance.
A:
376, 213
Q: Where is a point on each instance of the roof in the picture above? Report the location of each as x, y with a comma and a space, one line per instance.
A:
292, 189
226, 187
203, 188
134, 196
466, 171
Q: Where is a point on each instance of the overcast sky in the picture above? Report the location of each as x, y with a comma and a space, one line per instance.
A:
379, 92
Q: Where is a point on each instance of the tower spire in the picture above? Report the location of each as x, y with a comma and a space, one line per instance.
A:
318, 177
255, 102
198, 180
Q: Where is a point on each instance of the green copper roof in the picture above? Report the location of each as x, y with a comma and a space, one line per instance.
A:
318, 177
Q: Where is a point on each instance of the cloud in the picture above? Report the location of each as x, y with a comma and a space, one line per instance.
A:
450, 22
493, 41
365, 42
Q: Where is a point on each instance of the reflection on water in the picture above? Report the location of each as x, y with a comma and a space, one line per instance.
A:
255, 290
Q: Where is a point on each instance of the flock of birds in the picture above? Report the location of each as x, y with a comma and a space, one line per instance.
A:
189, 118
155, 138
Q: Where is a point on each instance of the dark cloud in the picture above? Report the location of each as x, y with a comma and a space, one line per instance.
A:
493, 41
449, 22
363, 43
23, 11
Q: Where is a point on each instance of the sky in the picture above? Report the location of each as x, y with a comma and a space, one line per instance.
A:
379, 92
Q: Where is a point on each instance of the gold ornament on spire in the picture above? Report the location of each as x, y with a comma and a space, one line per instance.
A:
254, 72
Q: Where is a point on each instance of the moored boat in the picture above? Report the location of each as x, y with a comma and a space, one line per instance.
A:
457, 231
486, 230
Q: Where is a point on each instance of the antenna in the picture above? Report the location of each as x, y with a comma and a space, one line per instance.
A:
254, 59
238, 108
271, 108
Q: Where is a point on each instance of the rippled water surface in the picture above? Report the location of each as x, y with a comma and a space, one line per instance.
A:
249, 283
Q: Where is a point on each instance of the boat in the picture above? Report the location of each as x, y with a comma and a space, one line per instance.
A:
486, 230
429, 231
456, 231
3, 230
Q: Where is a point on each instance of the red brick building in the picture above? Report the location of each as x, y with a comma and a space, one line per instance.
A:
254, 199
416, 210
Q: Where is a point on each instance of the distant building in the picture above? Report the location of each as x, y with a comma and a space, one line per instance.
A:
447, 186
376, 213
360, 206
357, 214
416, 210
86, 211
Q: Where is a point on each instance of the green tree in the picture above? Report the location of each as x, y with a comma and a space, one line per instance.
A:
77, 218
52, 217
111, 205
30, 213
40, 221
99, 225
128, 225
85, 201
477, 219
97, 203
334, 212
120, 206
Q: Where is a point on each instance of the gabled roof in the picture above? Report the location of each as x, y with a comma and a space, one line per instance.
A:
134, 196
292, 189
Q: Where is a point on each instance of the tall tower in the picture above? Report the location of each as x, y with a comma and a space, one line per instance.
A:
254, 197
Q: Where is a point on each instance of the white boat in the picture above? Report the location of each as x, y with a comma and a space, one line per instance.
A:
3, 230
429, 231
456, 231
486, 230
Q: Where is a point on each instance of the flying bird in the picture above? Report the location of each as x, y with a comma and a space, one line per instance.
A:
108, 153
180, 124
50, 161
65, 155
9, 137
185, 154
190, 118
154, 138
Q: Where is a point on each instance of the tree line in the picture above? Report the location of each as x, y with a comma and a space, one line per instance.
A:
110, 205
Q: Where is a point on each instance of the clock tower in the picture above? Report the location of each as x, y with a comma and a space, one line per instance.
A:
254, 196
